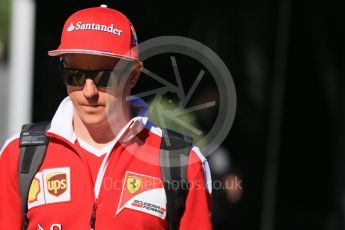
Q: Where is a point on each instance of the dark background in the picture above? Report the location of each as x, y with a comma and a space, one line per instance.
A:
287, 63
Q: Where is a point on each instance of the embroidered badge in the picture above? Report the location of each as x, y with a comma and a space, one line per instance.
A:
143, 193
50, 186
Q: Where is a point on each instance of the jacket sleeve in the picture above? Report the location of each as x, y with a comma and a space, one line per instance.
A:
198, 204
10, 207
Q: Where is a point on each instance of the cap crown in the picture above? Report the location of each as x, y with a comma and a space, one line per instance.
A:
99, 31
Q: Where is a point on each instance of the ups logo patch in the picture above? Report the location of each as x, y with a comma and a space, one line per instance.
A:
49, 186
57, 183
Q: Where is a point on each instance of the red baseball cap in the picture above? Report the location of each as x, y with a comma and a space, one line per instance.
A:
98, 31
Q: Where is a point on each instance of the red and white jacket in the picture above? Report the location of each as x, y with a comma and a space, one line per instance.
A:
123, 180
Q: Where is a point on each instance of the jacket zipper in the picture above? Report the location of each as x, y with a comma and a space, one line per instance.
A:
81, 155
93, 216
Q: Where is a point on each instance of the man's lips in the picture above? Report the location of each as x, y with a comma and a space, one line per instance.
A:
92, 108
85, 105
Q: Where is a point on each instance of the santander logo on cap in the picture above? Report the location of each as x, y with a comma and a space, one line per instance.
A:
93, 26
98, 31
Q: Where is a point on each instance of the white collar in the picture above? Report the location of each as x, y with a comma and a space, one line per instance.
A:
62, 123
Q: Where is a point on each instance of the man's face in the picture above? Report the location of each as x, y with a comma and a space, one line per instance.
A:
98, 105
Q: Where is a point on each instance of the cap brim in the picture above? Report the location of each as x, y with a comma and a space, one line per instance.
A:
60, 52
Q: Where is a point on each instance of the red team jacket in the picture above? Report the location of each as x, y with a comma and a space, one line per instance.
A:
123, 180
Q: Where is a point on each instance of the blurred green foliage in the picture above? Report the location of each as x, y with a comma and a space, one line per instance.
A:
4, 21
166, 113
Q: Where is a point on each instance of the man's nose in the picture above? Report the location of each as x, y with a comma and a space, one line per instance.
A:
90, 89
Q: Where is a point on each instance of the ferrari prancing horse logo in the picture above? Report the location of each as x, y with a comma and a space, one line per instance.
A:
133, 184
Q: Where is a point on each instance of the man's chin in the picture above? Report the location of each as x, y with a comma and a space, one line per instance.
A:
93, 120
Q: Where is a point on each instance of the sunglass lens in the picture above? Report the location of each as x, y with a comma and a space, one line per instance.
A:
73, 77
102, 79
78, 77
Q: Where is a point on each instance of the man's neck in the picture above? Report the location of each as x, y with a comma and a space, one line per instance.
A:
98, 135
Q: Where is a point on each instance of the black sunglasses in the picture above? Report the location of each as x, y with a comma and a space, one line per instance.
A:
76, 77
101, 78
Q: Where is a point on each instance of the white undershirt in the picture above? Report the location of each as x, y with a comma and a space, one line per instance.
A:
95, 151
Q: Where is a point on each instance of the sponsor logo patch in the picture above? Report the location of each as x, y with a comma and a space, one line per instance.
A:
50, 186
94, 26
133, 184
34, 190
143, 193
57, 183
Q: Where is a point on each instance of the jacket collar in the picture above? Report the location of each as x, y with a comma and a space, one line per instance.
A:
62, 123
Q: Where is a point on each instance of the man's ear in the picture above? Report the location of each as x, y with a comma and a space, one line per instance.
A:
135, 74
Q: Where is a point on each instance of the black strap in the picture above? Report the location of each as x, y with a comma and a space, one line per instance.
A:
174, 155
33, 145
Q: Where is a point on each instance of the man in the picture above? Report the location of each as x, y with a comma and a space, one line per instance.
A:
102, 165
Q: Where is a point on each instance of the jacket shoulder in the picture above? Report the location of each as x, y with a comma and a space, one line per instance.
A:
10, 145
